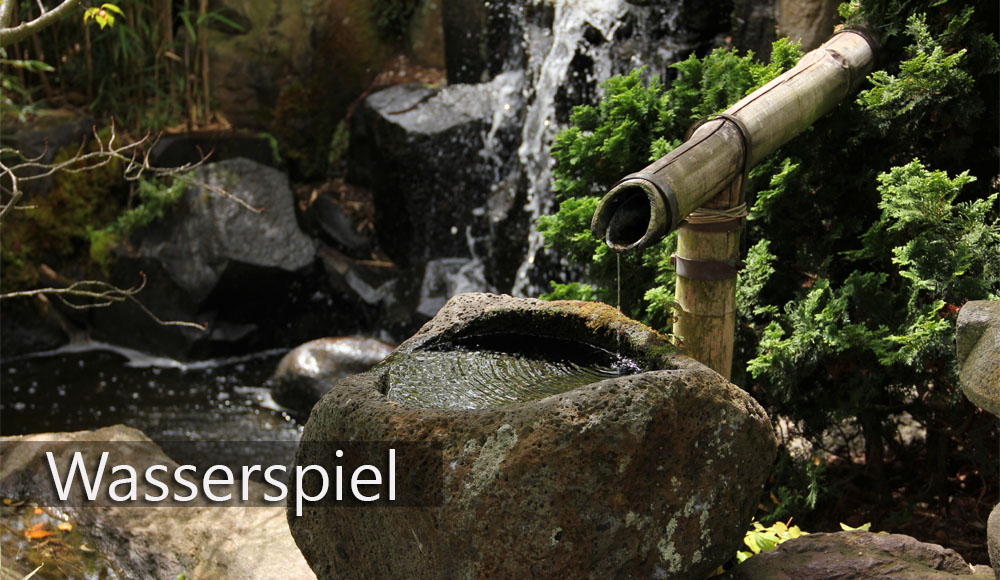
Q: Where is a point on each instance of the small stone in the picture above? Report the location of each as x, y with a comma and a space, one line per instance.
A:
856, 555
309, 370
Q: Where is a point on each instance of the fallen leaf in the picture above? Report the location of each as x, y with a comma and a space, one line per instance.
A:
38, 511
66, 526
37, 532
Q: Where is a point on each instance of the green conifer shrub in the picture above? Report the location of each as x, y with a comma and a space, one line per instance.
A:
865, 236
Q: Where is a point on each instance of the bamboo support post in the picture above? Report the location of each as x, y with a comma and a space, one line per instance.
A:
698, 187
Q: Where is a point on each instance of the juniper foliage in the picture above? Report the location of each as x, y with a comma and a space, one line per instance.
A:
866, 233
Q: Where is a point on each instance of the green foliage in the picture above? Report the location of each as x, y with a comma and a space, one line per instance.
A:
16, 100
103, 15
931, 81
142, 63
638, 120
866, 233
155, 198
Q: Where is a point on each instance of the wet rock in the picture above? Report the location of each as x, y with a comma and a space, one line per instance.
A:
213, 261
977, 340
653, 475
445, 278
141, 542
30, 325
339, 226
859, 556
426, 155
309, 370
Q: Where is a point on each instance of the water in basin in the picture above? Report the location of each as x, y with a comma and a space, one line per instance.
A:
497, 370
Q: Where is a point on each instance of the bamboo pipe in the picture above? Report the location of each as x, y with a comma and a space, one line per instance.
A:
645, 206
705, 176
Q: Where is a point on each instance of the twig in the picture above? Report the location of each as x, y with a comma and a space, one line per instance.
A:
103, 294
134, 155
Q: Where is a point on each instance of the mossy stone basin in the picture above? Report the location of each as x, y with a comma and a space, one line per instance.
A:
652, 473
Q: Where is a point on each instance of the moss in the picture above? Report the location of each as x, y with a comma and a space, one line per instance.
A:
155, 197
55, 230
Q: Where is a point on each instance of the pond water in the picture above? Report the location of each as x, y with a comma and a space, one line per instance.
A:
96, 385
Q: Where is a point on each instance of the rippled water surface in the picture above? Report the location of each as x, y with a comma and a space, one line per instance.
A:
497, 371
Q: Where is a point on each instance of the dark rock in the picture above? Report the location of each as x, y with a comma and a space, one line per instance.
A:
372, 282
30, 325
420, 151
446, 179
445, 278
338, 226
977, 339
41, 139
213, 147
309, 370
211, 232
216, 262
234, 542
858, 556
650, 475
753, 26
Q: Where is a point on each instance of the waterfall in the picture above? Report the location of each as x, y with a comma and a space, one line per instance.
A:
550, 52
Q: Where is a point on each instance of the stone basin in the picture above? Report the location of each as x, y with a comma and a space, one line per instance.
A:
653, 474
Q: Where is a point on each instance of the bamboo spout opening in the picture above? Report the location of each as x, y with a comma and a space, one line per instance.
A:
635, 214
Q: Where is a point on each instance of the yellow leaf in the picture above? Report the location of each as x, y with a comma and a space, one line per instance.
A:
861, 528
66, 527
38, 511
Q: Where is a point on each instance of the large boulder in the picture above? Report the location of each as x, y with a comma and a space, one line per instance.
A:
231, 542
858, 556
215, 261
977, 344
423, 153
654, 474
217, 232
978, 350
309, 370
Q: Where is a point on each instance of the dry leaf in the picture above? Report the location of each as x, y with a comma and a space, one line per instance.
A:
66, 527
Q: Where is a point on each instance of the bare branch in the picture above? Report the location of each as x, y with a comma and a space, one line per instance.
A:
100, 294
10, 35
6, 12
135, 159
134, 155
